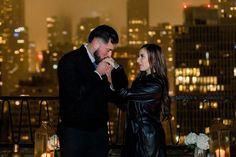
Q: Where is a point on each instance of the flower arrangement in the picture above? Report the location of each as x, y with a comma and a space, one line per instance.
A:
193, 140
53, 142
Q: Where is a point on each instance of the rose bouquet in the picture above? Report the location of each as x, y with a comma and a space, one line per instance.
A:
193, 140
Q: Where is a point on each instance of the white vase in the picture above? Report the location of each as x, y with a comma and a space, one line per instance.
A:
199, 152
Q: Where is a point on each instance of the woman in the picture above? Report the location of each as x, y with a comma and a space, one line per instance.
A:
147, 100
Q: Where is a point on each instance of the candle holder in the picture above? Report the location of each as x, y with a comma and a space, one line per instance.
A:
219, 140
41, 138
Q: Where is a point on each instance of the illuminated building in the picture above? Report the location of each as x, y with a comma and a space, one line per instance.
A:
86, 25
226, 8
4, 34
14, 44
205, 66
59, 31
33, 59
137, 22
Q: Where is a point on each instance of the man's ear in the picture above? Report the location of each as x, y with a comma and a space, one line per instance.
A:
96, 43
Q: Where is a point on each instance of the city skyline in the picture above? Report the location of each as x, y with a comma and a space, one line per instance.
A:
199, 48
37, 11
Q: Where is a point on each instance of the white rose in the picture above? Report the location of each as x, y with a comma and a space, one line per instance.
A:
191, 138
202, 141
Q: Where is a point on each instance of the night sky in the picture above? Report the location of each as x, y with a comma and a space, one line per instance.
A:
37, 11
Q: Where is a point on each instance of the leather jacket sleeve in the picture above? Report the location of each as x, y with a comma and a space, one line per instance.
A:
146, 91
119, 81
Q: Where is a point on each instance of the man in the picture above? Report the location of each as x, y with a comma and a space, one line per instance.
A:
84, 93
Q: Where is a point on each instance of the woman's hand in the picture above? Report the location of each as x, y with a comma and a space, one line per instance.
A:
108, 73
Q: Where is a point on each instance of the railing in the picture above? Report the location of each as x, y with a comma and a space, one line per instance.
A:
20, 116
26, 113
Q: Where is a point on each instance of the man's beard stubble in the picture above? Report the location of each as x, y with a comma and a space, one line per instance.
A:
97, 57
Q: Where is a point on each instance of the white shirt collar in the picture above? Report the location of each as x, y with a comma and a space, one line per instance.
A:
89, 54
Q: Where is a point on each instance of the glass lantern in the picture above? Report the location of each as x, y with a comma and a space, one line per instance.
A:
219, 140
41, 138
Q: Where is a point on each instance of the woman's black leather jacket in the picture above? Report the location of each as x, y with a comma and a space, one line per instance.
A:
144, 133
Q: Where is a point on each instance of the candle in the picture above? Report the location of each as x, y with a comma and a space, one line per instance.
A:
46, 155
220, 152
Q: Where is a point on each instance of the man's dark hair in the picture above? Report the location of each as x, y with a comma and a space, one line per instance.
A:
104, 32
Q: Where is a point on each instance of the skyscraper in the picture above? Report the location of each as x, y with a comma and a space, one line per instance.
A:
15, 44
4, 33
205, 67
137, 22
59, 31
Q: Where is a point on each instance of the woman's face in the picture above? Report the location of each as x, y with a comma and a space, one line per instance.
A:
143, 61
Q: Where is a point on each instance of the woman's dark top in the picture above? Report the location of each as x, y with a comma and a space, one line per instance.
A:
145, 136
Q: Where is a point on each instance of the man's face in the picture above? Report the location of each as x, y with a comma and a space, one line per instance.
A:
103, 51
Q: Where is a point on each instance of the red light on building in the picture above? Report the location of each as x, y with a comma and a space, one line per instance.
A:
208, 5
40, 56
185, 6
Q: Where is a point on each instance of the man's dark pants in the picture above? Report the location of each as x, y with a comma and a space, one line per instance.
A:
78, 143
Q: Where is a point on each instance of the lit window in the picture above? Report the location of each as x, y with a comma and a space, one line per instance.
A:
82, 27
20, 41
21, 50
197, 46
194, 80
20, 29
64, 32
227, 122
26, 137
49, 25
214, 105
207, 55
158, 41
131, 64
216, 6
163, 33
17, 103
200, 62
151, 33
180, 88
170, 59
16, 52
207, 130
191, 88
54, 54
43, 69
55, 66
